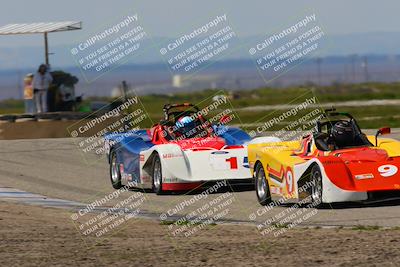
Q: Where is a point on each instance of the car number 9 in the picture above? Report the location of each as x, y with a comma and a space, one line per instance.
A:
387, 170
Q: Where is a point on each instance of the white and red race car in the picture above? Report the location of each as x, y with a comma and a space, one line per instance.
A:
180, 153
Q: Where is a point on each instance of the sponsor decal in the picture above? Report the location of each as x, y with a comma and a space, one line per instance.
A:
171, 155
219, 152
172, 180
364, 176
333, 162
276, 190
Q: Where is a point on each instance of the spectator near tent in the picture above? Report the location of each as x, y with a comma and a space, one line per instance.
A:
45, 99
28, 94
41, 83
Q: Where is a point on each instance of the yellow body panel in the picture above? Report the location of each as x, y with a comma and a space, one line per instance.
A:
391, 146
280, 157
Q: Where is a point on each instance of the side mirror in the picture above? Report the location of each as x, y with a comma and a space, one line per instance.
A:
381, 131
384, 130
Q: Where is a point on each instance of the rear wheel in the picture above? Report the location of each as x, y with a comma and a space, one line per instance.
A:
157, 175
262, 187
115, 174
316, 187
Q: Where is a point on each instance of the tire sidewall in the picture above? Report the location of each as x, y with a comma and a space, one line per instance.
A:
267, 199
117, 184
317, 186
157, 190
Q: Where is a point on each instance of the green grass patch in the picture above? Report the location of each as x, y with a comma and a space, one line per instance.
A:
368, 116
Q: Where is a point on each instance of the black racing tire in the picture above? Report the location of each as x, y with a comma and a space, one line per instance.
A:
115, 174
316, 187
157, 175
262, 187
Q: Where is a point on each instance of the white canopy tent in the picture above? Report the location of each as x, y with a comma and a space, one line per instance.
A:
42, 27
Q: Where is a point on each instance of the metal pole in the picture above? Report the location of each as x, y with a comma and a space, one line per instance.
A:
319, 61
366, 69
353, 65
46, 48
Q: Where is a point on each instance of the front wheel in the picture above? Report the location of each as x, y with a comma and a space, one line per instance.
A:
316, 187
157, 175
115, 174
262, 187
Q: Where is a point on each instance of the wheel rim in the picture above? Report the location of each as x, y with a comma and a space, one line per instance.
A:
316, 189
114, 170
157, 174
261, 184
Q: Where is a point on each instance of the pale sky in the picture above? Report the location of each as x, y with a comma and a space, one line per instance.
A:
169, 18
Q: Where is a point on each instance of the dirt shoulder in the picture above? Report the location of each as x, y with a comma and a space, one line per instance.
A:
36, 236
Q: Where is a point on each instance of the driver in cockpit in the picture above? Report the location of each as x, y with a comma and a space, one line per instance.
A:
342, 135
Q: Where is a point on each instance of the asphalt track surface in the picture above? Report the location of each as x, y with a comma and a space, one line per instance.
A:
56, 169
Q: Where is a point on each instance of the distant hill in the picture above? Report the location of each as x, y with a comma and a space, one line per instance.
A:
380, 43
148, 74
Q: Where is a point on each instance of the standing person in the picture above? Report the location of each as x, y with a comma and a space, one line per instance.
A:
28, 94
41, 84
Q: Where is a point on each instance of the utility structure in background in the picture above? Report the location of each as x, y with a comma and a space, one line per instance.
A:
364, 65
43, 28
319, 62
353, 59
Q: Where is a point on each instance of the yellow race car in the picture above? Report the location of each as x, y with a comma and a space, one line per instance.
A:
335, 163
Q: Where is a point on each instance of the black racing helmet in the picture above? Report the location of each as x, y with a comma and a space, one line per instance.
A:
343, 133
